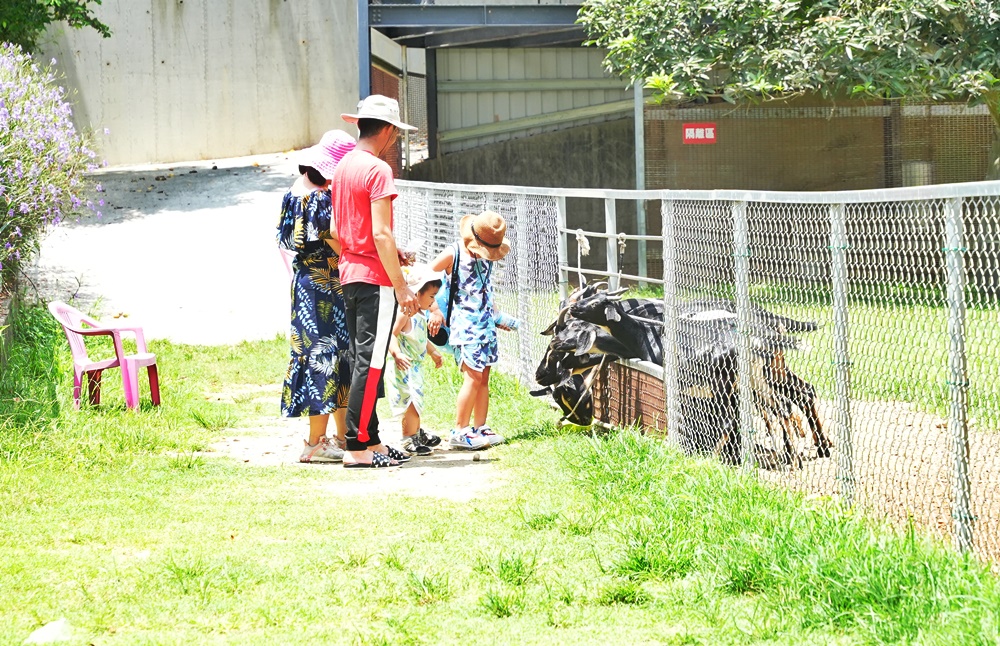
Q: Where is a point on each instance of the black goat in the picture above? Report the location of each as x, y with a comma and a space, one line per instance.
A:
707, 376
599, 325
630, 321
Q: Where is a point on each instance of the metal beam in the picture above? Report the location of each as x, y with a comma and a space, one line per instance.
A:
364, 51
531, 85
390, 15
472, 36
536, 121
430, 62
475, 37
564, 38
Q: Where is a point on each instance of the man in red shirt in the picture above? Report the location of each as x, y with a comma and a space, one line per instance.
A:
370, 273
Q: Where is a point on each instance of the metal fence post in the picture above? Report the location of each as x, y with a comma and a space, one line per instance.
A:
841, 352
671, 348
611, 228
954, 256
563, 248
524, 288
741, 264
639, 104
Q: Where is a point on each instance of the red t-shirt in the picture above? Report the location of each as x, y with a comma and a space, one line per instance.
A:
360, 179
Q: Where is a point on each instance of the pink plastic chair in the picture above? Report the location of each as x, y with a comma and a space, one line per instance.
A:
73, 323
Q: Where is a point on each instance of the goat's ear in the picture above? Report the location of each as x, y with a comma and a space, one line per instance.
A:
585, 342
611, 312
550, 330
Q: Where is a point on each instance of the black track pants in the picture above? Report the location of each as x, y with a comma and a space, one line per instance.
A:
371, 311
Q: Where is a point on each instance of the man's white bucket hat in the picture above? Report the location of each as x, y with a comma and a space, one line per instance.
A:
378, 107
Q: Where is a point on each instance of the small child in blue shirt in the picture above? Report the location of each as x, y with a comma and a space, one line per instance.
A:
473, 324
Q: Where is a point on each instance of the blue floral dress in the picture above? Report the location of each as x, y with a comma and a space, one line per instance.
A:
318, 379
405, 387
473, 335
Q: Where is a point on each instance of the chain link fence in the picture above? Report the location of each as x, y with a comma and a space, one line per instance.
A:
526, 282
843, 344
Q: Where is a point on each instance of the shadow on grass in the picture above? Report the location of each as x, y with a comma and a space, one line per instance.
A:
548, 429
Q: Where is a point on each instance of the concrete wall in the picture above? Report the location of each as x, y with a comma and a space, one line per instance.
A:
201, 79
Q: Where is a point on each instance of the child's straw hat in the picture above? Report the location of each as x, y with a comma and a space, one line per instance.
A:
485, 235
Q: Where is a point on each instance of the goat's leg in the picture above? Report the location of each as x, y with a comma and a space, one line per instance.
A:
803, 395
778, 429
791, 450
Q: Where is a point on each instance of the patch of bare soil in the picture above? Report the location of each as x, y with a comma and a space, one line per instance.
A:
904, 465
277, 442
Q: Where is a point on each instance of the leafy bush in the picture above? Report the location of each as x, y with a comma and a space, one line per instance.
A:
22, 22
43, 159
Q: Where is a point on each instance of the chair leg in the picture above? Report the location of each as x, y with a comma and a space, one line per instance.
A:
130, 383
154, 385
94, 387
77, 387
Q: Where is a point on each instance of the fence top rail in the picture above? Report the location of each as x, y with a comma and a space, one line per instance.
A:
936, 191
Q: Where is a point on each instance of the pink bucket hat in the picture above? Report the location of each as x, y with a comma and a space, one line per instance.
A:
325, 155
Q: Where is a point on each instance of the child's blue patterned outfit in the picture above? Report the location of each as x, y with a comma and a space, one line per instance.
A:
318, 380
473, 332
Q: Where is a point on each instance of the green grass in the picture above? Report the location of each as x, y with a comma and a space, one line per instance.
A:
116, 521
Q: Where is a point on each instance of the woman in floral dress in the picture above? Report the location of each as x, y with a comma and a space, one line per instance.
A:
317, 380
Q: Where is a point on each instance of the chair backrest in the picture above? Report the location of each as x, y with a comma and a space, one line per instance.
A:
74, 318
287, 256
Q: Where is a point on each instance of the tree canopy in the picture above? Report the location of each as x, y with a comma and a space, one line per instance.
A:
738, 50
23, 22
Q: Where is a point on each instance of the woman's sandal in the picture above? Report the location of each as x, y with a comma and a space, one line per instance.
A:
379, 461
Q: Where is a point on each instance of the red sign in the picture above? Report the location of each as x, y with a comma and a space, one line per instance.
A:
699, 133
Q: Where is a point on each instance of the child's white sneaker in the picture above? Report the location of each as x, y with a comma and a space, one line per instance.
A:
467, 439
491, 437
321, 452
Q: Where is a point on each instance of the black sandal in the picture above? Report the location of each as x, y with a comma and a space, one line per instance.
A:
396, 454
379, 461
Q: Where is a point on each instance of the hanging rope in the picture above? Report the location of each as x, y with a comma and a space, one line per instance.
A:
622, 241
582, 249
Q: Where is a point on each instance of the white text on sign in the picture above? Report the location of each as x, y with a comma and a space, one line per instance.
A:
699, 133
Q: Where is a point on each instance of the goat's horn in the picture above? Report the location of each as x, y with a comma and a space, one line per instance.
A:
560, 319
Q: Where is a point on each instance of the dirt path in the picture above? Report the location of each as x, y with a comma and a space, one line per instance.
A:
185, 250
276, 442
